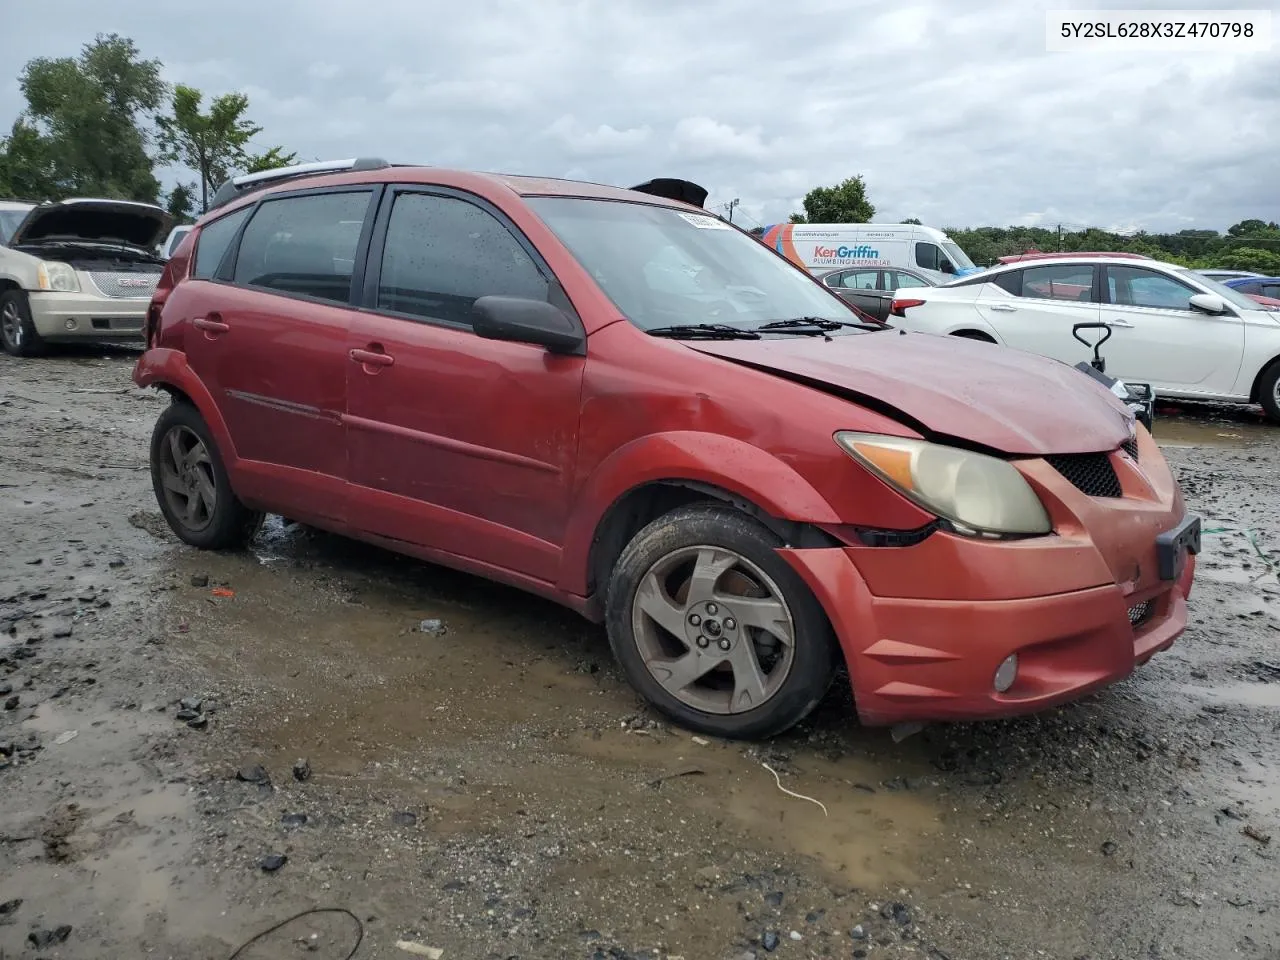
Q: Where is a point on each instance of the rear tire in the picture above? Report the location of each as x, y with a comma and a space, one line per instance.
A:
715, 629
1269, 391
192, 486
18, 334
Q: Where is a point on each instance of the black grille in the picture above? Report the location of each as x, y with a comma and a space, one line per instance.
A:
1140, 613
1090, 473
1130, 447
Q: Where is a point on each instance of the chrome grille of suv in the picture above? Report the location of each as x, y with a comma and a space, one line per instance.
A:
125, 286
1090, 473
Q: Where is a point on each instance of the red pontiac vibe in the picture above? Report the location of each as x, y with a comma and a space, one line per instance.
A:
612, 399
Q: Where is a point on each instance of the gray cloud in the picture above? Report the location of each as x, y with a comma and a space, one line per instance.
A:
955, 114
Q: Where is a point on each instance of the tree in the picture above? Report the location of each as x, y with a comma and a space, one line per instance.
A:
1250, 258
911, 220
1253, 228
271, 160
181, 203
26, 165
846, 202
212, 144
84, 129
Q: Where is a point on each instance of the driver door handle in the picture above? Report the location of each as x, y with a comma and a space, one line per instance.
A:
1004, 307
1124, 324
371, 358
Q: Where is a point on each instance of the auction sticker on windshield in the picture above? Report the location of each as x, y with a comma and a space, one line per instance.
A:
705, 223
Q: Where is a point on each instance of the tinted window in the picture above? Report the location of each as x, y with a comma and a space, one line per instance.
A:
1253, 286
902, 281
1271, 290
213, 241
927, 256
1010, 282
1135, 287
304, 245
1063, 281
861, 280
442, 254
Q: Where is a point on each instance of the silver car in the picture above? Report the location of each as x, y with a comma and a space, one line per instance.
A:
76, 270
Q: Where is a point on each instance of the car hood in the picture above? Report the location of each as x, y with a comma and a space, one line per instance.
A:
949, 388
105, 221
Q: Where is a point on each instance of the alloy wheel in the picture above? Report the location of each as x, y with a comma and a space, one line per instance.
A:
713, 629
186, 475
11, 324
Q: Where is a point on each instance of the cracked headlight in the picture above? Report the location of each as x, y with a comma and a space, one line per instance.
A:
58, 277
977, 494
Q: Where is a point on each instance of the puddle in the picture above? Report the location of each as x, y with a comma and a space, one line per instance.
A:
1236, 428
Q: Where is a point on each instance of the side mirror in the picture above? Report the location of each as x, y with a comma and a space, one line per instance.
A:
1208, 303
946, 266
528, 321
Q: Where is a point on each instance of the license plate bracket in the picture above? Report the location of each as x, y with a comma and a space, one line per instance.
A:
1173, 545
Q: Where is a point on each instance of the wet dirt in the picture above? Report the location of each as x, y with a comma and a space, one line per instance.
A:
489, 786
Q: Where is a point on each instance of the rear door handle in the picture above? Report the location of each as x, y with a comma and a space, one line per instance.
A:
209, 325
1003, 307
372, 358
1125, 324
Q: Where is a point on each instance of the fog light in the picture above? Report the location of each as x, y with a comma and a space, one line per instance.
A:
71, 323
1006, 673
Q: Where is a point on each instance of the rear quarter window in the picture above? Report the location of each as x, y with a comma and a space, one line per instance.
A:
212, 243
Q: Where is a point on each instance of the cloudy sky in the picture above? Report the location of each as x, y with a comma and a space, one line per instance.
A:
953, 112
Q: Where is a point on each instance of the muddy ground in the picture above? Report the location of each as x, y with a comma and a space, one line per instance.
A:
496, 791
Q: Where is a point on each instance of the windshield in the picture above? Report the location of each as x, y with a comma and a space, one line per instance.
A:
663, 267
10, 217
957, 256
1221, 289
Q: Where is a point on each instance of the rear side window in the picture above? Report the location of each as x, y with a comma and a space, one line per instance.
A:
211, 245
861, 280
304, 245
897, 280
1271, 290
442, 254
1062, 281
1009, 281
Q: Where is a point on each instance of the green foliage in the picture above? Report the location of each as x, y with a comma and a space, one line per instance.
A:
846, 202
181, 203
271, 160
83, 133
212, 144
912, 220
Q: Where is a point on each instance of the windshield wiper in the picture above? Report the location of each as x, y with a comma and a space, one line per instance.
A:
704, 331
816, 324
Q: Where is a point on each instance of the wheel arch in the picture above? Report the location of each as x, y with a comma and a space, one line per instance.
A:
654, 475
167, 370
1255, 391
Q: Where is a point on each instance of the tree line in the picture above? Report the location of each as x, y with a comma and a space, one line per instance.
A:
102, 123
1248, 245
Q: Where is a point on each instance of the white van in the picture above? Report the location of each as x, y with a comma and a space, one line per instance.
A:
820, 247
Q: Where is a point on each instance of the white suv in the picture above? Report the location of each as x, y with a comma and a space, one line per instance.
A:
76, 270
1187, 335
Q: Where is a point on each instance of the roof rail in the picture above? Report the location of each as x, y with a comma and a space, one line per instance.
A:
671, 188
245, 182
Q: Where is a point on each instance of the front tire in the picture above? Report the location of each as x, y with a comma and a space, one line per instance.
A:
192, 486
714, 628
18, 333
1269, 392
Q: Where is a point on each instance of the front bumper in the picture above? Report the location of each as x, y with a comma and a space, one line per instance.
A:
924, 628
80, 316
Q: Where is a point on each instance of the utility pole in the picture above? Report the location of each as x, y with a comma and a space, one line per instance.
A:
730, 205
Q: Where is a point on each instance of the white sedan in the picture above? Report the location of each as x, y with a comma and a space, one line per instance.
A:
1188, 336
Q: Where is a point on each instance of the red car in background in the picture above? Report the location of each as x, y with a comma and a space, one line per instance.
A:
615, 400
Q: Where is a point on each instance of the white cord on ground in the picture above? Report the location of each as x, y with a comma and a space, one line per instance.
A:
792, 793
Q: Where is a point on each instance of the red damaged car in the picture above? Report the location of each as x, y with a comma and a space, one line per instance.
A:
615, 400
